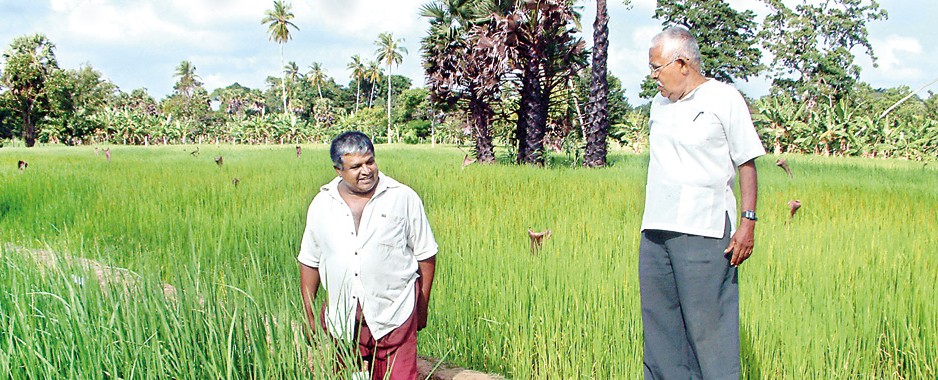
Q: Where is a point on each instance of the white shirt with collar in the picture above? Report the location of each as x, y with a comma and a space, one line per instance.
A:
696, 144
377, 267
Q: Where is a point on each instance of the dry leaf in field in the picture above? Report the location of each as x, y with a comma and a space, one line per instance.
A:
784, 165
537, 239
793, 205
467, 161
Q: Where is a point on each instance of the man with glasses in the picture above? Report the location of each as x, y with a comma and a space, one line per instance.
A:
700, 134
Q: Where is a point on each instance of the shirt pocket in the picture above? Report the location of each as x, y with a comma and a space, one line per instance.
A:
700, 207
394, 233
705, 129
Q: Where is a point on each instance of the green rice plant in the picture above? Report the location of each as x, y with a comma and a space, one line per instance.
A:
843, 289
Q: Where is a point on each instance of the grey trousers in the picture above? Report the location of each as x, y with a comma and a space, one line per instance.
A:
690, 306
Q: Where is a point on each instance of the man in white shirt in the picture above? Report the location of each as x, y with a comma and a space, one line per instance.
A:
368, 241
700, 134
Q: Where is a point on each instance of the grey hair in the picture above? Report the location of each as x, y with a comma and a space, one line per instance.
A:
351, 142
677, 42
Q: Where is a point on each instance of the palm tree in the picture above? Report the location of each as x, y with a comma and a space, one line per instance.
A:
316, 77
543, 36
373, 74
278, 20
358, 72
186, 78
597, 127
290, 73
460, 70
389, 50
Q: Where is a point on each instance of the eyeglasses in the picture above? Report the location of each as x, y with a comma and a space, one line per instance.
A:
656, 70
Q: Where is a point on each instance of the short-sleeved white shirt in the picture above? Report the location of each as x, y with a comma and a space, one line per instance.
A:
696, 144
377, 267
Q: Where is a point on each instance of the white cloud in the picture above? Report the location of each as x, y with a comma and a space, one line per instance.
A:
363, 17
219, 12
203, 24
628, 59
898, 59
63, 5
106, 23
895, 50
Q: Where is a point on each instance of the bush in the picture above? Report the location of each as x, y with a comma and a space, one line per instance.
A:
415, 131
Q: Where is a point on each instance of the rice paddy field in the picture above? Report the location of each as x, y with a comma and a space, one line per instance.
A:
200, 278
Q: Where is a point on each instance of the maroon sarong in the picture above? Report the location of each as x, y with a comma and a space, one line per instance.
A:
394, 355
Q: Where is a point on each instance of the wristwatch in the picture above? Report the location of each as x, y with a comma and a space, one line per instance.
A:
749, 214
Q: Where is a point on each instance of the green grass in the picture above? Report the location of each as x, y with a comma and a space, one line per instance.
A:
844, 290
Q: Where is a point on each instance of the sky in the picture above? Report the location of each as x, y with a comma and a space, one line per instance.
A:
139, 43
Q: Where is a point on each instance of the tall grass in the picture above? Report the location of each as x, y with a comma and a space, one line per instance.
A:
843, 290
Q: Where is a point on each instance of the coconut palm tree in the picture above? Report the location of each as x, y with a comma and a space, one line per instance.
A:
358, 72
186, 78
316, 77
373, 74
278, 26
389, 51
291, 72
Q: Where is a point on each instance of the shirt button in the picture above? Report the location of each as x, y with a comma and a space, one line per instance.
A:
356, 274
356, 253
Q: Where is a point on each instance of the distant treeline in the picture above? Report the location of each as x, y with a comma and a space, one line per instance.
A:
493, 81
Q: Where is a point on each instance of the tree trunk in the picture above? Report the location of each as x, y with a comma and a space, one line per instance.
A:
389, 104
532, 118
481, 117
283, 82
29, 127
358, 92
598, 107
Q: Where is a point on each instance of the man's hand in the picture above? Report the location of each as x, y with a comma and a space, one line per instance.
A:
426, 268
309, 286
742, 242
422, 310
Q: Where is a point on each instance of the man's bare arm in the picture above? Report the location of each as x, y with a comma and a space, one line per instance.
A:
426, 269
309, 286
